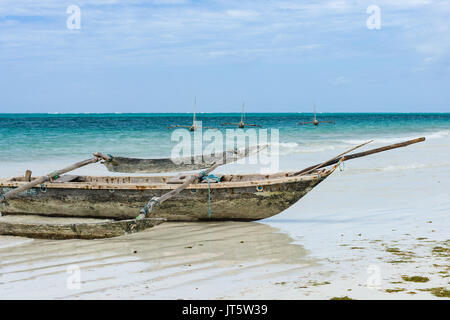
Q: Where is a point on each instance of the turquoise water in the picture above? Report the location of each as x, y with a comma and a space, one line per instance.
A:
25, 137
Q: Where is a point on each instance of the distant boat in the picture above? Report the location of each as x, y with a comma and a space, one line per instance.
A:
241, 124
315, 121
192, 127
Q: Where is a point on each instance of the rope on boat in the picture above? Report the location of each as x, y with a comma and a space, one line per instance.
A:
209, 199
55, 175
211, 178
2, 197
341, 164
110, 157
201, 174
148, 207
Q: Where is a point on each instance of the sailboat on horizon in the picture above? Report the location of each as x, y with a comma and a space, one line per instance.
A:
242, 123
315, 121
194, 125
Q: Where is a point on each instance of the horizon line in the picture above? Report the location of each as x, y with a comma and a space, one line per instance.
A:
309, 112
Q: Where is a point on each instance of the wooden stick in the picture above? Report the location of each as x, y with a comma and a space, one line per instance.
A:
365, 153
155, 201
386, 148
50, 176
100, 155
28, 175
338, 157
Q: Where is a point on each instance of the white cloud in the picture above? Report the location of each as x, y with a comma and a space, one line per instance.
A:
341, 80
164, 29
242, 14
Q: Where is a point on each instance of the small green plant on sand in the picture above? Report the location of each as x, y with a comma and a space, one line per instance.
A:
315, 283
341, 298
440, 292
415, 279
400, 261
394, 290
441, 251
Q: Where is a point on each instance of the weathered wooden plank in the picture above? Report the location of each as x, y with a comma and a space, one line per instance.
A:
28, 175
57, 228
66, 178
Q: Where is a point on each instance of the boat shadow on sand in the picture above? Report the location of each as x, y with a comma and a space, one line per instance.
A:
170, 255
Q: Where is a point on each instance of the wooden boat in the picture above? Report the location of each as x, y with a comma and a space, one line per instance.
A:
236, 197
188, 197
194, 125
241, 123
137, 165
315, 121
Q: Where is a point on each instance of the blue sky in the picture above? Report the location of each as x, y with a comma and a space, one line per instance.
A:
278, 56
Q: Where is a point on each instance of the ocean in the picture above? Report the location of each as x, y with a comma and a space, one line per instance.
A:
41, 139
399, 199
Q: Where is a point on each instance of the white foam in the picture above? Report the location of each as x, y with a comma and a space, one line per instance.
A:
286, 148
438, 134
413, 166
428, 135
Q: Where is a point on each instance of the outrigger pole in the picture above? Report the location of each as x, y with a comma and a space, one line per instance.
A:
358, 155
51, 176
338, 157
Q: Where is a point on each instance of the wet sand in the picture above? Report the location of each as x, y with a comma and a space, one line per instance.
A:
223, 260
173, 260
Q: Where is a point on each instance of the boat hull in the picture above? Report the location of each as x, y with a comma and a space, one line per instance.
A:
136, 165
222, 201
60, 228
133, 165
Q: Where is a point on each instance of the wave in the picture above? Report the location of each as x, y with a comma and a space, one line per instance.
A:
293, 147
405, 167
438, 134
428, 135
412, 166
401, 167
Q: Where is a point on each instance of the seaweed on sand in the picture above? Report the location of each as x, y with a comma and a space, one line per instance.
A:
415, 279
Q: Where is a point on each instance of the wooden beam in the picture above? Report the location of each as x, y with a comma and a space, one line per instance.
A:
363, 154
